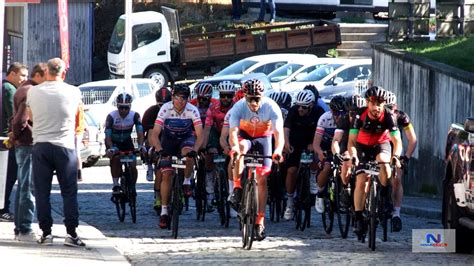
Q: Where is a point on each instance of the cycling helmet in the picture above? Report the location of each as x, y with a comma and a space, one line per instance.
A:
239, 94
124, 99
377, 94
163, 95
304, 97
337, 103
353, 102
285, 99
253, 87
204, 90
274, 96
181, 89
392, 98
313, 89
226, 86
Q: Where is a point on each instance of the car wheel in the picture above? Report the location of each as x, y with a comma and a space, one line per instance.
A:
158, 75
91, 160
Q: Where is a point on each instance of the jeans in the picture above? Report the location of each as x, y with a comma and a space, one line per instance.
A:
12, 169
24, 200
271, 3
47, 158
236, 9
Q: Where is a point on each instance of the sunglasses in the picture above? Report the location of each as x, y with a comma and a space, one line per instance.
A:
338, 113
181, 97
228, 96
304, 107
123, 107
253, 99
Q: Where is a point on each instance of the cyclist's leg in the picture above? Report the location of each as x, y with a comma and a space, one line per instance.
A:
364, 153
346, 168
397, 192
384, 152
264, 146
244, 146
167, 172
290, 182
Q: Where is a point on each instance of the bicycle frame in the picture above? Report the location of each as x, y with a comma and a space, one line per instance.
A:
303, 192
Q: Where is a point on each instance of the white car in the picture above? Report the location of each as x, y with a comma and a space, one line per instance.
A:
266, 63
99, 96
343, 71
296, 70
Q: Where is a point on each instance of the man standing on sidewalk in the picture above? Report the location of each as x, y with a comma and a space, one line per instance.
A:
54, 105
17, 73
23, 142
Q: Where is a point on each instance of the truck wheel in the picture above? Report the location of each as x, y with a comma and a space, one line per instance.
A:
158, 75
452, 214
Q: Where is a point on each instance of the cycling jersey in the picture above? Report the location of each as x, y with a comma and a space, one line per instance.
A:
225, 123
120, 129
326, 128
149, 117
177, 126
203, 110
373, 131
256, 124
403, 120
302, 127
215, 116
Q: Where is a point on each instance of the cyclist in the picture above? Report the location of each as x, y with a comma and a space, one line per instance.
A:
318, 100
403, 122
341, 136
283, 99
302, 118
212, 130
203, 100
322, 144
162, 96
118, 130
252, 122
175, 123
369, 139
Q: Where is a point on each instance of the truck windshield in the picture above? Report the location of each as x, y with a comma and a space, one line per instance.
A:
283, 72
236, 68
143, 34
117, 38
320, 73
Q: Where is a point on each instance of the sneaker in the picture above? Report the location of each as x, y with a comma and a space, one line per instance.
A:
188, 191
116, 190
396, 224
288, 213
260, 232
46, 240
26, 237
6, 217
73, 241
236, 198
150, 173
319, 204
313, 187
233, 213
164, 221
271, 21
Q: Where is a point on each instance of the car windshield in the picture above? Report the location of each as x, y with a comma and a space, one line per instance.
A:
284, 72
236, 68
320, 73
96, 94
117, 38
144, 89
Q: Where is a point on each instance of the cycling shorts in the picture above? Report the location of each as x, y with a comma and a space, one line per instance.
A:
368, 153
213, 141
173, 148
262, 145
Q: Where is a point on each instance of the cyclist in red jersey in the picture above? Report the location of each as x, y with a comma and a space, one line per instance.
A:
369, 139
212, 130
203, 100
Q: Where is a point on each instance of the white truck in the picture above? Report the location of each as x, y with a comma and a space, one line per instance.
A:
161, 52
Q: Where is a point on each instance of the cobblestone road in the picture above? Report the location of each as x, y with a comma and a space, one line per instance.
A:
208, 242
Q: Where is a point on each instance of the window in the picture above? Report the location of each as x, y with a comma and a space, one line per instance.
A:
144, 89
268, 68
146, 33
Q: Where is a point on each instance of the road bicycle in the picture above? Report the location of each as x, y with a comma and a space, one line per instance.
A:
303, 200
221, 189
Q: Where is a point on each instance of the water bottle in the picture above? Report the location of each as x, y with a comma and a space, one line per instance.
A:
331, 191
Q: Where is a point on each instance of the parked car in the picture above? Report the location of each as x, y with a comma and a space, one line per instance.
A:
238, 80
346, 89
99, 96
296, 70
266, 63
344, 70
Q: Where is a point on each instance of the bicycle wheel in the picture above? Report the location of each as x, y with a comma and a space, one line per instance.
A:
222, 192
373, 194
343, 212
328, 214
132, 196
119, 206
252, 214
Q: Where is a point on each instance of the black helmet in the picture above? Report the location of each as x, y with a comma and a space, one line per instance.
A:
163, 95
313, 89
337, 103
353, 102
124, 99
181, 89
375, 93
253, 87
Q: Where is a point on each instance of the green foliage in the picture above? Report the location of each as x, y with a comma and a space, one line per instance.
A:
333, 53
447, 51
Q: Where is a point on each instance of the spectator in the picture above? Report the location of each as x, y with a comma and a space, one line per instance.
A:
23, 142
17, 73
236, 9
263, 9
54, 105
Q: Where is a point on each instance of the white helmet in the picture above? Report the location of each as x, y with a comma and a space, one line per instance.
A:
391, 99
304, 97
226, 86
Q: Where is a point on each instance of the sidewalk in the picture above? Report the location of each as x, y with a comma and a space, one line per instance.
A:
422, 206
98, 250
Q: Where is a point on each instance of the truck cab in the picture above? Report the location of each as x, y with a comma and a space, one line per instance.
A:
150, 47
